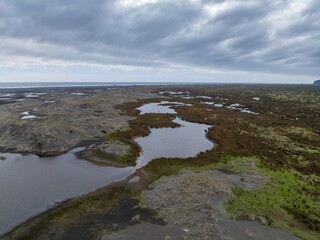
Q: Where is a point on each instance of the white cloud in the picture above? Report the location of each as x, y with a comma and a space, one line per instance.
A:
214, 9
271, 36
286, 13
136, 3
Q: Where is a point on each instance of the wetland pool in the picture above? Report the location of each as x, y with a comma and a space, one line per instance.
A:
160, 107
185, 141
30, 184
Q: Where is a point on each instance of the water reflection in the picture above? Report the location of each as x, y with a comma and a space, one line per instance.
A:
185, 141
162, 107
30, 184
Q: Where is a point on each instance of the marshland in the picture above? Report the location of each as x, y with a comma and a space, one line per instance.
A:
185, 162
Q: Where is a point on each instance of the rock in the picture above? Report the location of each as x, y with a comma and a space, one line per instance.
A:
252, 217
317, 82
2, 158
263, 220
248, 233
136, 218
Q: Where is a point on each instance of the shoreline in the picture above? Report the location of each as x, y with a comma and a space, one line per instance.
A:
38, 218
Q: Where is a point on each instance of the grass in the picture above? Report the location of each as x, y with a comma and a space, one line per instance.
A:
291, 200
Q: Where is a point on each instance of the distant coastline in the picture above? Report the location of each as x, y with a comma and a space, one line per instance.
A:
21, 85
9, 85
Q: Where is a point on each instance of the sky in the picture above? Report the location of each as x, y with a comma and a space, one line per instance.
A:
257, 41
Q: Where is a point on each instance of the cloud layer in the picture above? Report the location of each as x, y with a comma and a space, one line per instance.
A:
267, 36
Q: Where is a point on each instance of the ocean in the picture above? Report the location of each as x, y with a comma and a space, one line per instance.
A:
8, 85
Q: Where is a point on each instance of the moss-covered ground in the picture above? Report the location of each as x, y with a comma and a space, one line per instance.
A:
290, 200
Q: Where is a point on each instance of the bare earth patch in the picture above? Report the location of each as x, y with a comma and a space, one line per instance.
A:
193, 203
71, 120
106, 153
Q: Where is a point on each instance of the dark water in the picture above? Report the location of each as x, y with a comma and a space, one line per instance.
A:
30, 184
185, 141
182, 142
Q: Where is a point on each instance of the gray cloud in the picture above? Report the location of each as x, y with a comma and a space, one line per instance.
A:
229, 35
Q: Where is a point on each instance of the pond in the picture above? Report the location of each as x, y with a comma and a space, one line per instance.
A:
30, 184
185, 141
162, 107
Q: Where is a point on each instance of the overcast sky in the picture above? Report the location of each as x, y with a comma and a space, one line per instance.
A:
160, 40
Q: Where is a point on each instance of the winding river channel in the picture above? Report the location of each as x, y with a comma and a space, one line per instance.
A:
30, 185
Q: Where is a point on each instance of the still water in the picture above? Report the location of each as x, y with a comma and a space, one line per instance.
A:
161, 107
185, 141
30, 184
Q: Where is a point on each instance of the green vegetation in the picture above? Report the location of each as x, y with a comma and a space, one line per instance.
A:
287, 152
291, 200
308, 96
285, 137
